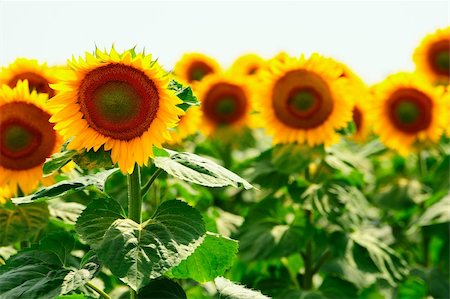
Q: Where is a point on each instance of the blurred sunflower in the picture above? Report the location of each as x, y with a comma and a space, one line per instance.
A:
39, 76
118, 101
432, 57
304, 100
247, 65
27, 137
194, 67
226, 102
405, 109
188, 125
5, 194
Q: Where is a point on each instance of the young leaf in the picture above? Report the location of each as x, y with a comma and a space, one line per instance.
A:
231, 290
195, 169
65, 187
139, 252
210, 260
57, 161
162, 288
22, 222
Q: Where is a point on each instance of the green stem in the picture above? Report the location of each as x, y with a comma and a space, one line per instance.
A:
99, 291
134, 203
147, 186
421, 163
322, 260
308, 258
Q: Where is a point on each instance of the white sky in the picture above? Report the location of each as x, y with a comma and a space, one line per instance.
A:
375, 38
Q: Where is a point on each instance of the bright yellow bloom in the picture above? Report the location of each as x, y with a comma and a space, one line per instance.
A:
247, 65
226, 102
39, 76
406, 109
188, 125
27, 137
432, 57
194, 67
304, 100
116, 101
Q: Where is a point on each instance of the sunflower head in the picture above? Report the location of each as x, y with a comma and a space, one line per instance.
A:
432, 57
304, 100
247, 65
120, 102
226, 102
193, 67
27, 137
188, 125
39, 76
406, 109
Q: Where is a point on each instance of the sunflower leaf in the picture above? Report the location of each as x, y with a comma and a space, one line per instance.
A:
162, 288
231, 290
195, 169
67, 186
57, 161
185, 94
137, 253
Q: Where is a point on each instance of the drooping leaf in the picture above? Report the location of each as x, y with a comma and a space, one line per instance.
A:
195, 169
210, 259
139, 252
68, 212
96, 219
162, 288
231, 290
22, 222
57, 161
65, 187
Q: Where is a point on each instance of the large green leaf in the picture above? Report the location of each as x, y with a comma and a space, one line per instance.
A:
335, 287
21, 223
231, 290
162, 288
139, 252
57, 161
65, 187
96, 219
68, 212
210, 260
44, 270
195, 169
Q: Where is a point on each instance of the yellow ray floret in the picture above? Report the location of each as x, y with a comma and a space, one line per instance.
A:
118, 101
406, 109
193, 67
304, 100
189, 124
247, 65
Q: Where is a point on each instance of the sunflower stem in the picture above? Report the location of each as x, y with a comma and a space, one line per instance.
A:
134, 203
98, 291
147, 185
308, 257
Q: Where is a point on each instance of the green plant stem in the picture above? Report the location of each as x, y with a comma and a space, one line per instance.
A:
322, 260
308, 258
134, 203
147, 185
98, 291
421, 164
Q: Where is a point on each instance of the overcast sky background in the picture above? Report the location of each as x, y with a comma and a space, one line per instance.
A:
375, 38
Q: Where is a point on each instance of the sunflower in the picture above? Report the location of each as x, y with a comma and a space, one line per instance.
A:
5, 194
116, 101
405, 109
304, 100
27, 137
39, 76
194, 67
188, 125
226, 102
432, 57
247, 65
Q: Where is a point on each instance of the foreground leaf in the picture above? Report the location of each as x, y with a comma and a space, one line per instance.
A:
68, 186
210, 260
231, 290
139, 252
162, 288
198, 170
57, 161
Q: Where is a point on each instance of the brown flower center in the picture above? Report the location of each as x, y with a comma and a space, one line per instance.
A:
198, 70
225, 103
302, 100
439, 57
410, 110
118, 101
35, 82
27, 137
357, 118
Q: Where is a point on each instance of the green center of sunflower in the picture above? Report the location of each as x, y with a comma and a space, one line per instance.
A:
226, 105
407, 112
443, 60
198, 74
302, 100
117, 101
17, 138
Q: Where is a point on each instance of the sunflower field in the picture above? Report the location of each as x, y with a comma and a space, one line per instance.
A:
284, 177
